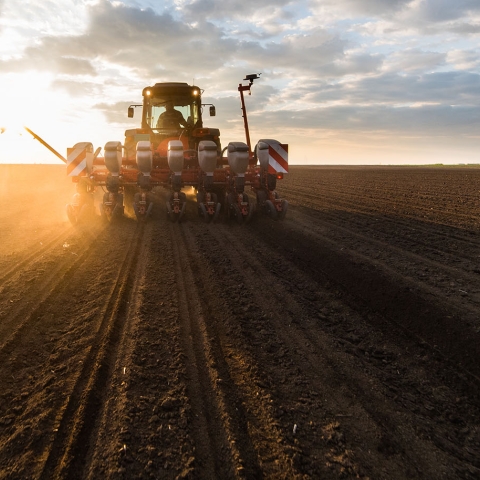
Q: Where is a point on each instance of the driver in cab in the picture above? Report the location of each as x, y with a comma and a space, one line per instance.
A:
171, 118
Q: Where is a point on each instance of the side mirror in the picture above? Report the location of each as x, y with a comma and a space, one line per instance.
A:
130, 112
212, 110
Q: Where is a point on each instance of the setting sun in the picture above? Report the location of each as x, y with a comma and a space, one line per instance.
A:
28, 101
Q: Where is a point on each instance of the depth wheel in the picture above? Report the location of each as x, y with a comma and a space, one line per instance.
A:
229, 206
203, 212
181, 215
217, 212
281, 215
251, 208
171, 215
238, 214
71, 215
271, 210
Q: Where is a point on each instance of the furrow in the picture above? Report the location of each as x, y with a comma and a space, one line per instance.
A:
423, 272
217, 454
70, 448
321, 362
25, 314
47, 245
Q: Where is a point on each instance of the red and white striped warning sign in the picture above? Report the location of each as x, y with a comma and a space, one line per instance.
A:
278, 158
79, 159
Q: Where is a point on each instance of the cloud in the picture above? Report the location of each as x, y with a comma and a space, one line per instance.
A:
411, 60
149, 43
232, 8
343, 10
76, 89
445, 10
464, 59
371, 66
464, 28
116, 113
426, 120
394, 10
449, 88
43, 59
369, 7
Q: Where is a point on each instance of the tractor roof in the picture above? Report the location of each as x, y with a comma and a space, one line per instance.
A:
172, 84
171, 88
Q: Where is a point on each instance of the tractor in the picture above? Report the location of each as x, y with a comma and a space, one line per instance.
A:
173, 149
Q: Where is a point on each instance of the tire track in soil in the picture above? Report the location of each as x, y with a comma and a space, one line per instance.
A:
386, 255
294, 323
351, 209
314, 366
70, 448
36, 377
414, 190
242, 326
170, 359
257, 433
376, 291
223, 448
24, 315
47, 246
344, 201
144, 425
432, 323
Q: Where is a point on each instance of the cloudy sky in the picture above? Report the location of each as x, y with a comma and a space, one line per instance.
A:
343, 81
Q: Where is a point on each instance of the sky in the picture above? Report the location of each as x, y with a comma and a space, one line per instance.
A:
363, 82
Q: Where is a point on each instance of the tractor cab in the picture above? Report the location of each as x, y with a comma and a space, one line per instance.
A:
169, 107
171, 111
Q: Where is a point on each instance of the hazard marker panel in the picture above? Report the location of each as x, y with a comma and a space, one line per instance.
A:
278, 158
77, 161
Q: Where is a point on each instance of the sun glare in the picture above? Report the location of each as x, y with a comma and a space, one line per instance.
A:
26, 101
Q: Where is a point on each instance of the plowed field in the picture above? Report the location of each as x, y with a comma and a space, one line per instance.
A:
343, 342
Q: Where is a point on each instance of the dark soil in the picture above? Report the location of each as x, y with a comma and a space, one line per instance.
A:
342, 342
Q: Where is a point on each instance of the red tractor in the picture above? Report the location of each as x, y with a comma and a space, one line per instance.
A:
173, 149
